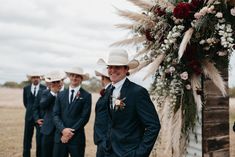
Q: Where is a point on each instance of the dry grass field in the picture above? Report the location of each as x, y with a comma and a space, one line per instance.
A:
12, 122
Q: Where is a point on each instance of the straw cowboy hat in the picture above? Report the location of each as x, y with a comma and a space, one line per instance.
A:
55, 76
102, 72
78, 71
119, 57
34, 74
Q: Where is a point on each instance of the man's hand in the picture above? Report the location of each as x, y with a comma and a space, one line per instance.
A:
39, 122
68, 133
64, 139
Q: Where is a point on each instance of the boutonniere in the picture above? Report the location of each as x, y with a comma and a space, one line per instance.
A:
78, 95
119, 104
102, 91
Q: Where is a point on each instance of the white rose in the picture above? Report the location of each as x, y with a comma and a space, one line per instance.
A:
188, 86
219, 15
232, 11
222, 53
172, 69
184, 75
117, 102
202, 42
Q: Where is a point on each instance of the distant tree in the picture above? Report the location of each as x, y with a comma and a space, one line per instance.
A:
92, 85
11, 84
24, 83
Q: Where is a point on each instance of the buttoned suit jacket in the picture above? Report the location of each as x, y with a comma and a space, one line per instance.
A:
46, 104
74, 115
133, 130
28, 100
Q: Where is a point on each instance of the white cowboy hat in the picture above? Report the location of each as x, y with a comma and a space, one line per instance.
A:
54, 76
34, 74
78, 71
102, 72
119, 57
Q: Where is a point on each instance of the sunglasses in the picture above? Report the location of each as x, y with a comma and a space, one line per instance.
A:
55, 82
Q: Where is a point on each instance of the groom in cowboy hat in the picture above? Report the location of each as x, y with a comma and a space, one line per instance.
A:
101, 114
70, 114
30, 93
134, 123
46, 103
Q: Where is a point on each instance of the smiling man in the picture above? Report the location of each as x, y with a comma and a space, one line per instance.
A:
71, 113
134, 123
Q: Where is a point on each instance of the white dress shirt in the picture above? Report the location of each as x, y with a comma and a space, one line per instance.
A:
117, 90
33, 87
76, 90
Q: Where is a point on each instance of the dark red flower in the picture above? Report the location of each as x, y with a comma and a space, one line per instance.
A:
182, 10
195, 66
102, 92
148, 35
196, 4
159, 11
78, 94
199, 92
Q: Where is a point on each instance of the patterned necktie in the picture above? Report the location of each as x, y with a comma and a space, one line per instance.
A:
111, 96
71, 96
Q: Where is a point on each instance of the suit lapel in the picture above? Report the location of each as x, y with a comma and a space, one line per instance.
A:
124, 88
66, 98
123, 94
76, 99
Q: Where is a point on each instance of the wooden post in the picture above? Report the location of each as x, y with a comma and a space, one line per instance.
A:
215, 120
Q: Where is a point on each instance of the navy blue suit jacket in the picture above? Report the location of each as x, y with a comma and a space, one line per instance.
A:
133, 130
101, 118
28, 100
74, 115
46, 104
37, 112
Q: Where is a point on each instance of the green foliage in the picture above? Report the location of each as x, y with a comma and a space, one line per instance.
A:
11, 84
92, 85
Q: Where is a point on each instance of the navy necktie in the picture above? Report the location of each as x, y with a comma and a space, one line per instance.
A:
71, 96
34, 91
111, 96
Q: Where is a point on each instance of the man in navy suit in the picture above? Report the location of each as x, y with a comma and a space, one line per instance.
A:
47, 101
71, 113
101, 114
134, 124
30, 92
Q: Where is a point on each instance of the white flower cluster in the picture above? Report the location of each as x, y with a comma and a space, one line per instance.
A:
207, 43
175, 90
225, 33
171, 38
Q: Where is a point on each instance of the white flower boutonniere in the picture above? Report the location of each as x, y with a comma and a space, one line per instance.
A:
78, 95
119, 104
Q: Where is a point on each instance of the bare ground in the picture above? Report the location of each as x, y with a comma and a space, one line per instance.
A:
12, 122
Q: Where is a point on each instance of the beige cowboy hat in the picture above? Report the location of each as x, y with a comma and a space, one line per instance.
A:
78, 71
102, 72
54, 76
119, 57
34, 74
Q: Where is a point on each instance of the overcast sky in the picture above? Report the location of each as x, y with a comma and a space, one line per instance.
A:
45, 35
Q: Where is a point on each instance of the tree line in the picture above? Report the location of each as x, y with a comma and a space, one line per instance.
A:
92, 85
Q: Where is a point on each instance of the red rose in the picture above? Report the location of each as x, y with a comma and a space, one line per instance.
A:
102, 92
182, 10
78, 94
159, 11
